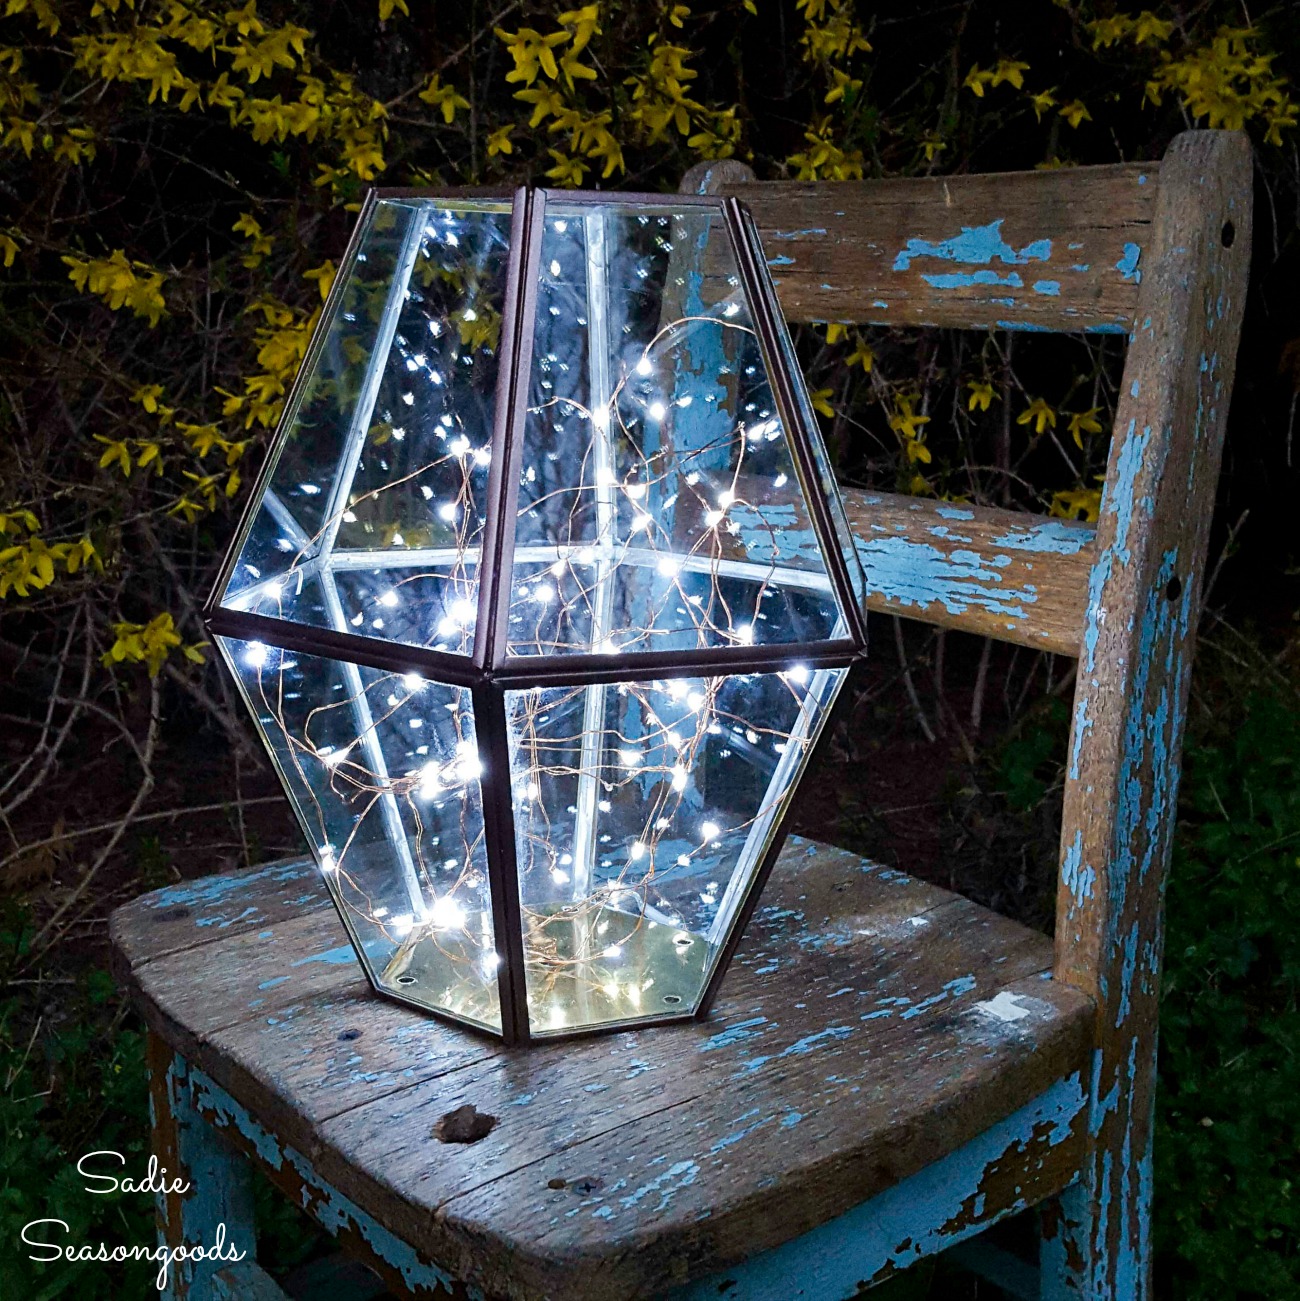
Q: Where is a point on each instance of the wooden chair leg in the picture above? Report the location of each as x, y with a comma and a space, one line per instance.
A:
1097, 1247
205, 1217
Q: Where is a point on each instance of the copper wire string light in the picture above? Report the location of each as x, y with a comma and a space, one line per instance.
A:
542, 600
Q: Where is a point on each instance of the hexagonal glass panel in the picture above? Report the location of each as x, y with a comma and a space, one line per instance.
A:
542, 601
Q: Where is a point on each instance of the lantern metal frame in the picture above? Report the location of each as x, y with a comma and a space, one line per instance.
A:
488, 672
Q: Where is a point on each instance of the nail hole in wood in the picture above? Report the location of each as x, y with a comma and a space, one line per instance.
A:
557, 1183
585, 1187
464, 1125
1174, 588
1228, 234
672, 998
347, 1036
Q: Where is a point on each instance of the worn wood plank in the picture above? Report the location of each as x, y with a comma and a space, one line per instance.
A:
192, 913
400, 1265
1134, 669
1011, 1165
997, 573
189, 995
871, 1022
208, 1198
1058, 250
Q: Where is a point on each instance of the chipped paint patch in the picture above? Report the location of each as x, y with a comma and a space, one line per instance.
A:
1050, 537
1127, 266
934, 1209
918, 574
1004, 1006
976, 246
334, 1212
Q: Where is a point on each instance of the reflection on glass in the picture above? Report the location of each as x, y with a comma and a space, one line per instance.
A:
383, 770
642, 811
380, 482
659, 508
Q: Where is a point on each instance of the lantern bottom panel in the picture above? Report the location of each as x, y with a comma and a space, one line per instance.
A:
577, 979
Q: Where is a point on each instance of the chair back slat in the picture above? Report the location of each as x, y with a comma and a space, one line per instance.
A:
996, 573
1050, 250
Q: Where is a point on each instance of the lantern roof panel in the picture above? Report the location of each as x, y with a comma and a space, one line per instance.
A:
378, 481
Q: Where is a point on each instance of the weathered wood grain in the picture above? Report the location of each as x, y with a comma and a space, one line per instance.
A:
1025, 1157
996, 573
208, 1201
190, 913
1134, 669
1051, 250
870, 1023
230, 1124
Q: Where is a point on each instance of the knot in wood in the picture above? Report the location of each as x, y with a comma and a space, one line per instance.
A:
464, 1125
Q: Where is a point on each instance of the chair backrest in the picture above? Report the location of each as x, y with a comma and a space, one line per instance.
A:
1161, 253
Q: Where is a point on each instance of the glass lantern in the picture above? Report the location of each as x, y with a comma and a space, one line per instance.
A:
542, 599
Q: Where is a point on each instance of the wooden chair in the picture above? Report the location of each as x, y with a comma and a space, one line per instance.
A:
890, 1068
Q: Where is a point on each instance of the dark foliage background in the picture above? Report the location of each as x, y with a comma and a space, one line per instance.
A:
176, 179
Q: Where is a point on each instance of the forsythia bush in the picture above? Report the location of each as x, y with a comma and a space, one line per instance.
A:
178, 173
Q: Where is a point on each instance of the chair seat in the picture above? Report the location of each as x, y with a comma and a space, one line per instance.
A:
870, 1025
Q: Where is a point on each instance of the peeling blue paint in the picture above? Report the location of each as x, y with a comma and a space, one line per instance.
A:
780, 261
953, 989
918, 574
1127, 266
934, 1209
335, 957
1078, 879
334, 1212
966, 279
1049, 537
733, 1034
1052, 288
1027, 326
976, 245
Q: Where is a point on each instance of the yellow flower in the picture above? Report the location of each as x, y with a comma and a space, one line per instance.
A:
445, 98
499, 142
1148, 27
976, 80
1040, 414
1084, 422
567, 171
861, 355
1075, 112
981, 394
1009, 70
1077, 503
1042, 102
821, 400
532, 53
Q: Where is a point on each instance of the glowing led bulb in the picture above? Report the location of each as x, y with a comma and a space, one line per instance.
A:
447, 511
657, 411
447, 914
255, 655
389, 598
412, 682
679, 777
401, 926
669, 568
710, 830
643, 367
